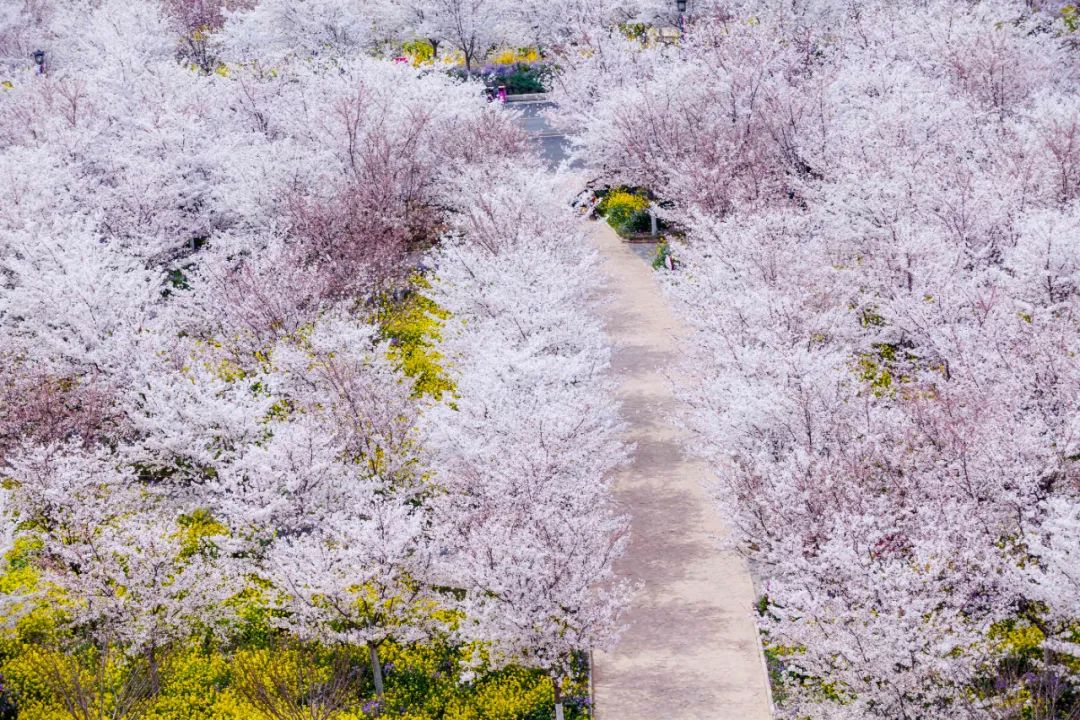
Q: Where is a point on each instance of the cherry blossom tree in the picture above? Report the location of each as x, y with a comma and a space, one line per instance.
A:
24, 28
206, 203
148, 319
525, 453
879, 280
471, 27
561, 28
128, 580
274, 30
172, 238
332, 495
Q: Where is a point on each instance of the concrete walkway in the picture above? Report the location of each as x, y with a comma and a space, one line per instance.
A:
691, 651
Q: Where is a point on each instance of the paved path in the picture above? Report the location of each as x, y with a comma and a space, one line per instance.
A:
690, 652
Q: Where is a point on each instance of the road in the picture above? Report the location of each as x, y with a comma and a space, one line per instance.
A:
691, 649
554, 146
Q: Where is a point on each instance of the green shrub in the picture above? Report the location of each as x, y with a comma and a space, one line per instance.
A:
517, 77
663, 251
526, 79
1070, 18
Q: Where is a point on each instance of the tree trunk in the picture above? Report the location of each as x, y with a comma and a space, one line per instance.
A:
558, 699
434, 49
376, 670
152, 673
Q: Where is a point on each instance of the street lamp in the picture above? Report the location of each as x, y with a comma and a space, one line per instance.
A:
39, 59
681, 5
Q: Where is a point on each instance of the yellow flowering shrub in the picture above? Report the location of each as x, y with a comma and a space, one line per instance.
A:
201, 681
509, 695
512, 56
420, 52
412, 325
625, 210
196, 685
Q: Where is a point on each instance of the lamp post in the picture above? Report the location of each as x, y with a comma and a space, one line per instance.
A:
39, 60
681, 5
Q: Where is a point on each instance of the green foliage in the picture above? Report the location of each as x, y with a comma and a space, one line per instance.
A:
525, 78
177, 279
1070, 18
625, 210
876, 369
663, 252
635, 31
781, 661
887, 366
869, 317
516, 76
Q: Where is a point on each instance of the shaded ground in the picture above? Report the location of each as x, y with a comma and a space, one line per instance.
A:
690, 651
644, 250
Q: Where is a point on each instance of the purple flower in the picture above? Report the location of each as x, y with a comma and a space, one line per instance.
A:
371, 708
